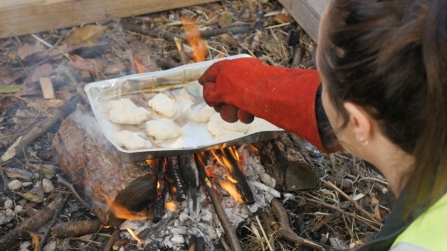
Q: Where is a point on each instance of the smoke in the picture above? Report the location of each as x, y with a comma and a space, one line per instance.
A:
91, 127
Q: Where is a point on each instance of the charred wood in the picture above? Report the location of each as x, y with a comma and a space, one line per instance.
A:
207, 184
230, 160
189, 172
177, 183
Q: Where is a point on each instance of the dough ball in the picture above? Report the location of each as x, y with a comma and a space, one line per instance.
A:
216, 125
130, 140
228, 135
237, 126
164, 105
261, 125
124, 111
162, 129
204, 114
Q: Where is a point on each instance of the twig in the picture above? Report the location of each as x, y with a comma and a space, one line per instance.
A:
170, 36
268, 226
206, 183
70, 186
43, 241
281, 213
76, 228
109, 245
340, 210
30, 225
353, 202
38, 130
285, 230
263, 233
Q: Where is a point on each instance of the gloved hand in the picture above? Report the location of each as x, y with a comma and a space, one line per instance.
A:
241, 88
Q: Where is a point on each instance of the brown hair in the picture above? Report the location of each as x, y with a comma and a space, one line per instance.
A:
390, 57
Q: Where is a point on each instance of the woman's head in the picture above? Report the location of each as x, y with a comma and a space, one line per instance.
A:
388, 59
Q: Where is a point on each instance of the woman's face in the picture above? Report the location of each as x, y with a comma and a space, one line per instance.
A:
345, 135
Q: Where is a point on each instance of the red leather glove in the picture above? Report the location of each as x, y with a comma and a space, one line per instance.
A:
241, 88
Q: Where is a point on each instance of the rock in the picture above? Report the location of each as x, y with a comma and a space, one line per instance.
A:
25, 245
6, 216
27, 184
18, 209
15, 184
50, 246
8, 204
47, 186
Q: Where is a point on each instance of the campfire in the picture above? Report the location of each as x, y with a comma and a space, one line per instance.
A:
271, 192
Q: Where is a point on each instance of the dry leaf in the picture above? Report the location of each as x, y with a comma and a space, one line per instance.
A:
91, 65
86, 36
228, 39
225, 20
63, 95
28, 50
30, 196
282, 18
114, 68
55, 103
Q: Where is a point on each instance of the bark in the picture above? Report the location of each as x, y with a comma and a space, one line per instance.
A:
94, 165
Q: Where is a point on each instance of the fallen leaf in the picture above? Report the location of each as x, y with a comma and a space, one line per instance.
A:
28, 50
225, 20
30, 196
86, 36
282, 18
55, 103
228, 39
10, 89
114, 68
63, 95
91, 65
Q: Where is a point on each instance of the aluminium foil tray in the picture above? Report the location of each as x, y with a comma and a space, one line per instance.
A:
181, 84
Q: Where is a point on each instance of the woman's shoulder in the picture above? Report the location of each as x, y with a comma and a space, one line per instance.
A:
427, 232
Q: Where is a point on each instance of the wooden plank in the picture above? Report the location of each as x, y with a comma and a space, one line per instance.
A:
20, 17
307, 13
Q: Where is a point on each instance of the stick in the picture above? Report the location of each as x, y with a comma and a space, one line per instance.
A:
340, 210
43, 241
206, 183
61, 180
109, 245
353, 202
77, 228
285, 230
281, 213
30, 225
38, 130
170, 36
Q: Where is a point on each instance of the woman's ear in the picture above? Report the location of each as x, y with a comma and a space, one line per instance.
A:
360, 121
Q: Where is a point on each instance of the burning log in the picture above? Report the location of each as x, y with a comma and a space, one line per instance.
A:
200, 159
189, 172
158, 209
176, 181
231, 161
288, 162
95, 166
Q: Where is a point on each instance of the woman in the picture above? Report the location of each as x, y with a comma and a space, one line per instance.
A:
383, 71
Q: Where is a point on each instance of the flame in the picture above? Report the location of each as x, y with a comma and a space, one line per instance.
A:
194, 39
121, 212
131, 232
171, 205
152, 162
217, 157
253, 149
228, 186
